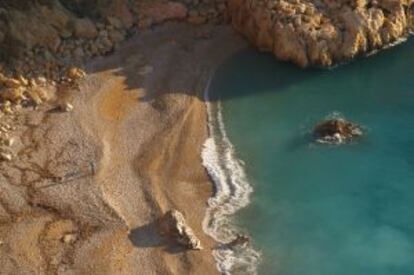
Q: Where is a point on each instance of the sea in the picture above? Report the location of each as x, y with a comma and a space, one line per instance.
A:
310, 208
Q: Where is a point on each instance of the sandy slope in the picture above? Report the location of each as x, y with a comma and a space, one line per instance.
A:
128, 152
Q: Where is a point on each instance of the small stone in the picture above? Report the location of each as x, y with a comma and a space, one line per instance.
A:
6, 156
76, 73
41, 80
70, 238
66, 107
23, 80
9, 142
7, 109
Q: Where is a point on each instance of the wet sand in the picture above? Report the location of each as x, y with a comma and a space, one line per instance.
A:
129, 152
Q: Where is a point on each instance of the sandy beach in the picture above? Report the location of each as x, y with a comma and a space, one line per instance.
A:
129, 152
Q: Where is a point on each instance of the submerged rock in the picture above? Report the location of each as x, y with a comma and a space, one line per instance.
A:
240, 240
174, 226
336, 131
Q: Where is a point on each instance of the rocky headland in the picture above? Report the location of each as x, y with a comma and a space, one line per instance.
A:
322, 32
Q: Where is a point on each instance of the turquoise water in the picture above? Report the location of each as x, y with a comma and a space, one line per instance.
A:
325, 210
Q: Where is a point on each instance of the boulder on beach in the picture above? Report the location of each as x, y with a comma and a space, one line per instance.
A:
174, 226
336, 131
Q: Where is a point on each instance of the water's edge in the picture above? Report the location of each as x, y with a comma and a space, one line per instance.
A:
231, 193
231, 188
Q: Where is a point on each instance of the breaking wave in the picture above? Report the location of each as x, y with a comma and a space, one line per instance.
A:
232, 192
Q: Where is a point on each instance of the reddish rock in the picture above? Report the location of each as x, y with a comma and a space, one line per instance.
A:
336, 131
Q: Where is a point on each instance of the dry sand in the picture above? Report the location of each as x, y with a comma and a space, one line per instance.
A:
128, 152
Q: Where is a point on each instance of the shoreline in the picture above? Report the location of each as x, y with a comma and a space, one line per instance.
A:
190, 106
232, 193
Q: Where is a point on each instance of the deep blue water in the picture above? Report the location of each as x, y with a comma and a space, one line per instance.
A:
325, 210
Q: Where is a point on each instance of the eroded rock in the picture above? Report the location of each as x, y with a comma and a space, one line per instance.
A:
65, 107
75, 73
174, 226
312, 32
336, 131
6, 156
70, 238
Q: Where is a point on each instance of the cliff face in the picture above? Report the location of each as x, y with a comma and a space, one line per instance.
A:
306, 32
66, 31
322, 32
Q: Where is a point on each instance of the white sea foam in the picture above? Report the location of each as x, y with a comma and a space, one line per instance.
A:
388, 46
232, 192
375, 51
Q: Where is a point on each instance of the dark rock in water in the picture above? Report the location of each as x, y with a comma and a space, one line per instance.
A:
239, 240
336, 131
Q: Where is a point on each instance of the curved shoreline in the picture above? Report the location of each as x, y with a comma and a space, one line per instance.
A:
232, 193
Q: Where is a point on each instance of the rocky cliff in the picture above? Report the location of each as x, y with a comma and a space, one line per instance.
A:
322, 32
318, 32
42, 39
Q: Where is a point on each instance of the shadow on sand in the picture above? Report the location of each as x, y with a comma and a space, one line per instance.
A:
147, 236
185, 63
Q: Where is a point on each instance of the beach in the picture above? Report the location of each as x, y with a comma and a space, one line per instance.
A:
128, 152
132, 133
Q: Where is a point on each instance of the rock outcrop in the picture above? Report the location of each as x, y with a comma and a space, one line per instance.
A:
174, 227
322, 32
336, 131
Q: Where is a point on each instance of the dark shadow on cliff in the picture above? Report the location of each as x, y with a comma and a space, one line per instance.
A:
177, 58
181, 59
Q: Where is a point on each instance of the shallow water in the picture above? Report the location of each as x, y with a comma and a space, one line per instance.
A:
317, 209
